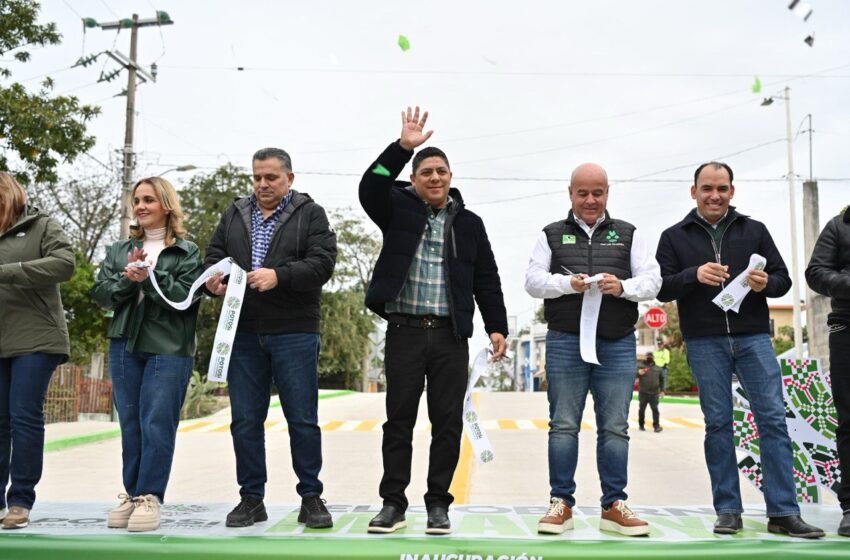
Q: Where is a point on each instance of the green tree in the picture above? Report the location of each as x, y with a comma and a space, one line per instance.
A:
346, 323
87, 323
87, 205
784, 339
679, 374
37, 131
539, 315
203, 200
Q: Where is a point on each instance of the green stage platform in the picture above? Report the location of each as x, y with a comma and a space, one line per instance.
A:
196, 531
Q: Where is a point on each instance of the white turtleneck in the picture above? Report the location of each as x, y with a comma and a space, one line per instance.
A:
154, 243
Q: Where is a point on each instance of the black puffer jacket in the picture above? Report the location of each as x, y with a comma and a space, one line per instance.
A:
468, 261
302, 252
828, 272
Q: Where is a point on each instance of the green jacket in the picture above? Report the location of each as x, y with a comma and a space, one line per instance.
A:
35, 257
151, 325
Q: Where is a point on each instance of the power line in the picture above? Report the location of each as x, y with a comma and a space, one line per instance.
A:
511, 73
692, 165
605, 139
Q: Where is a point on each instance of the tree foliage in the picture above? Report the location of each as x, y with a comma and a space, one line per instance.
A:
37, 131
346, 323
87, 206
203, 200
679, 374
87, 323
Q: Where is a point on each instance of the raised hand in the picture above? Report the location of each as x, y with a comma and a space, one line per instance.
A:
137, 254
412, 127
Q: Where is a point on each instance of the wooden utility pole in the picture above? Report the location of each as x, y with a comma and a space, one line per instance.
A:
133, 73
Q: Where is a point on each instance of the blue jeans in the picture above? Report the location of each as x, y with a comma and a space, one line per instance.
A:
712, 360
148, 391
291, 360
569, 379
23, 384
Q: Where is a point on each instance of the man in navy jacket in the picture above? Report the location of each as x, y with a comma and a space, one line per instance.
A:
712, 245
435, 258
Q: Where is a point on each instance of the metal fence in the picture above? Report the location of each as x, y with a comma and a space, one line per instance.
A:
70, 393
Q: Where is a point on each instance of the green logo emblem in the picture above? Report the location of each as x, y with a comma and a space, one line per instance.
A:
727, 300
612, 236
233, 302
471, 416
487, 456
222, 348
568, 239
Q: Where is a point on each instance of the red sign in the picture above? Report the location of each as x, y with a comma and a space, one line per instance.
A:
655, 318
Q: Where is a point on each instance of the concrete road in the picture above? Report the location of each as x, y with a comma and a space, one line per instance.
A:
666, 468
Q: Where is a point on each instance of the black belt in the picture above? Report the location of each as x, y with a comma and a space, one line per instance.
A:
421, 321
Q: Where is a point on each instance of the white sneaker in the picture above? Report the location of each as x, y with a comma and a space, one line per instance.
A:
120, 515
146, 515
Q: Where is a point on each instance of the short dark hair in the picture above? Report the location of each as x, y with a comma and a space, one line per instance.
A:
716, 165
426, 153
277, 153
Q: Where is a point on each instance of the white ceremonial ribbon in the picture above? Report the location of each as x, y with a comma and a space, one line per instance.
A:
590, 304
736, 290
230, 310
471, 422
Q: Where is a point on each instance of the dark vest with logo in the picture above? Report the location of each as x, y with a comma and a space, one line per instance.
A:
609, 250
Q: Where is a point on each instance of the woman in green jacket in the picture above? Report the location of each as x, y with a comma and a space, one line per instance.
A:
35, 257
151, 345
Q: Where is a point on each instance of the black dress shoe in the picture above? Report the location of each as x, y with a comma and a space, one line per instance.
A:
314, 514
844, 526
388, 520
728, 523
794, 526
438, 521
249, 511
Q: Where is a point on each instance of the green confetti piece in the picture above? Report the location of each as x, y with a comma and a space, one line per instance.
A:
403, 43
381, 170
757, 86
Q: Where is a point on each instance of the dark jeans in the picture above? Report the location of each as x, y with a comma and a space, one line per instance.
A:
148, 391
751, 358
23, 384
839, 359
650, 399
413, 355
291, 360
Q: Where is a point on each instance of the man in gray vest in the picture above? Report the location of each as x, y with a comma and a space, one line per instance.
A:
591, 251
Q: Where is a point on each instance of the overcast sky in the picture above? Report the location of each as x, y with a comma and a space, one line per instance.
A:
519, 94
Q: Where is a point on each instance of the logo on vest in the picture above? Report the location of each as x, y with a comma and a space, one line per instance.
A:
612, 236
567, 239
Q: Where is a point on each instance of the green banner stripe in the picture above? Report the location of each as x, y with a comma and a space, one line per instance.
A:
22, 546
65, 443
322, 396
673, 400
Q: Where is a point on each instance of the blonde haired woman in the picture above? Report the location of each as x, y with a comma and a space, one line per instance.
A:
35, 257
151, 346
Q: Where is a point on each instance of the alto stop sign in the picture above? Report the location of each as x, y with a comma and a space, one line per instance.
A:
655, 318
